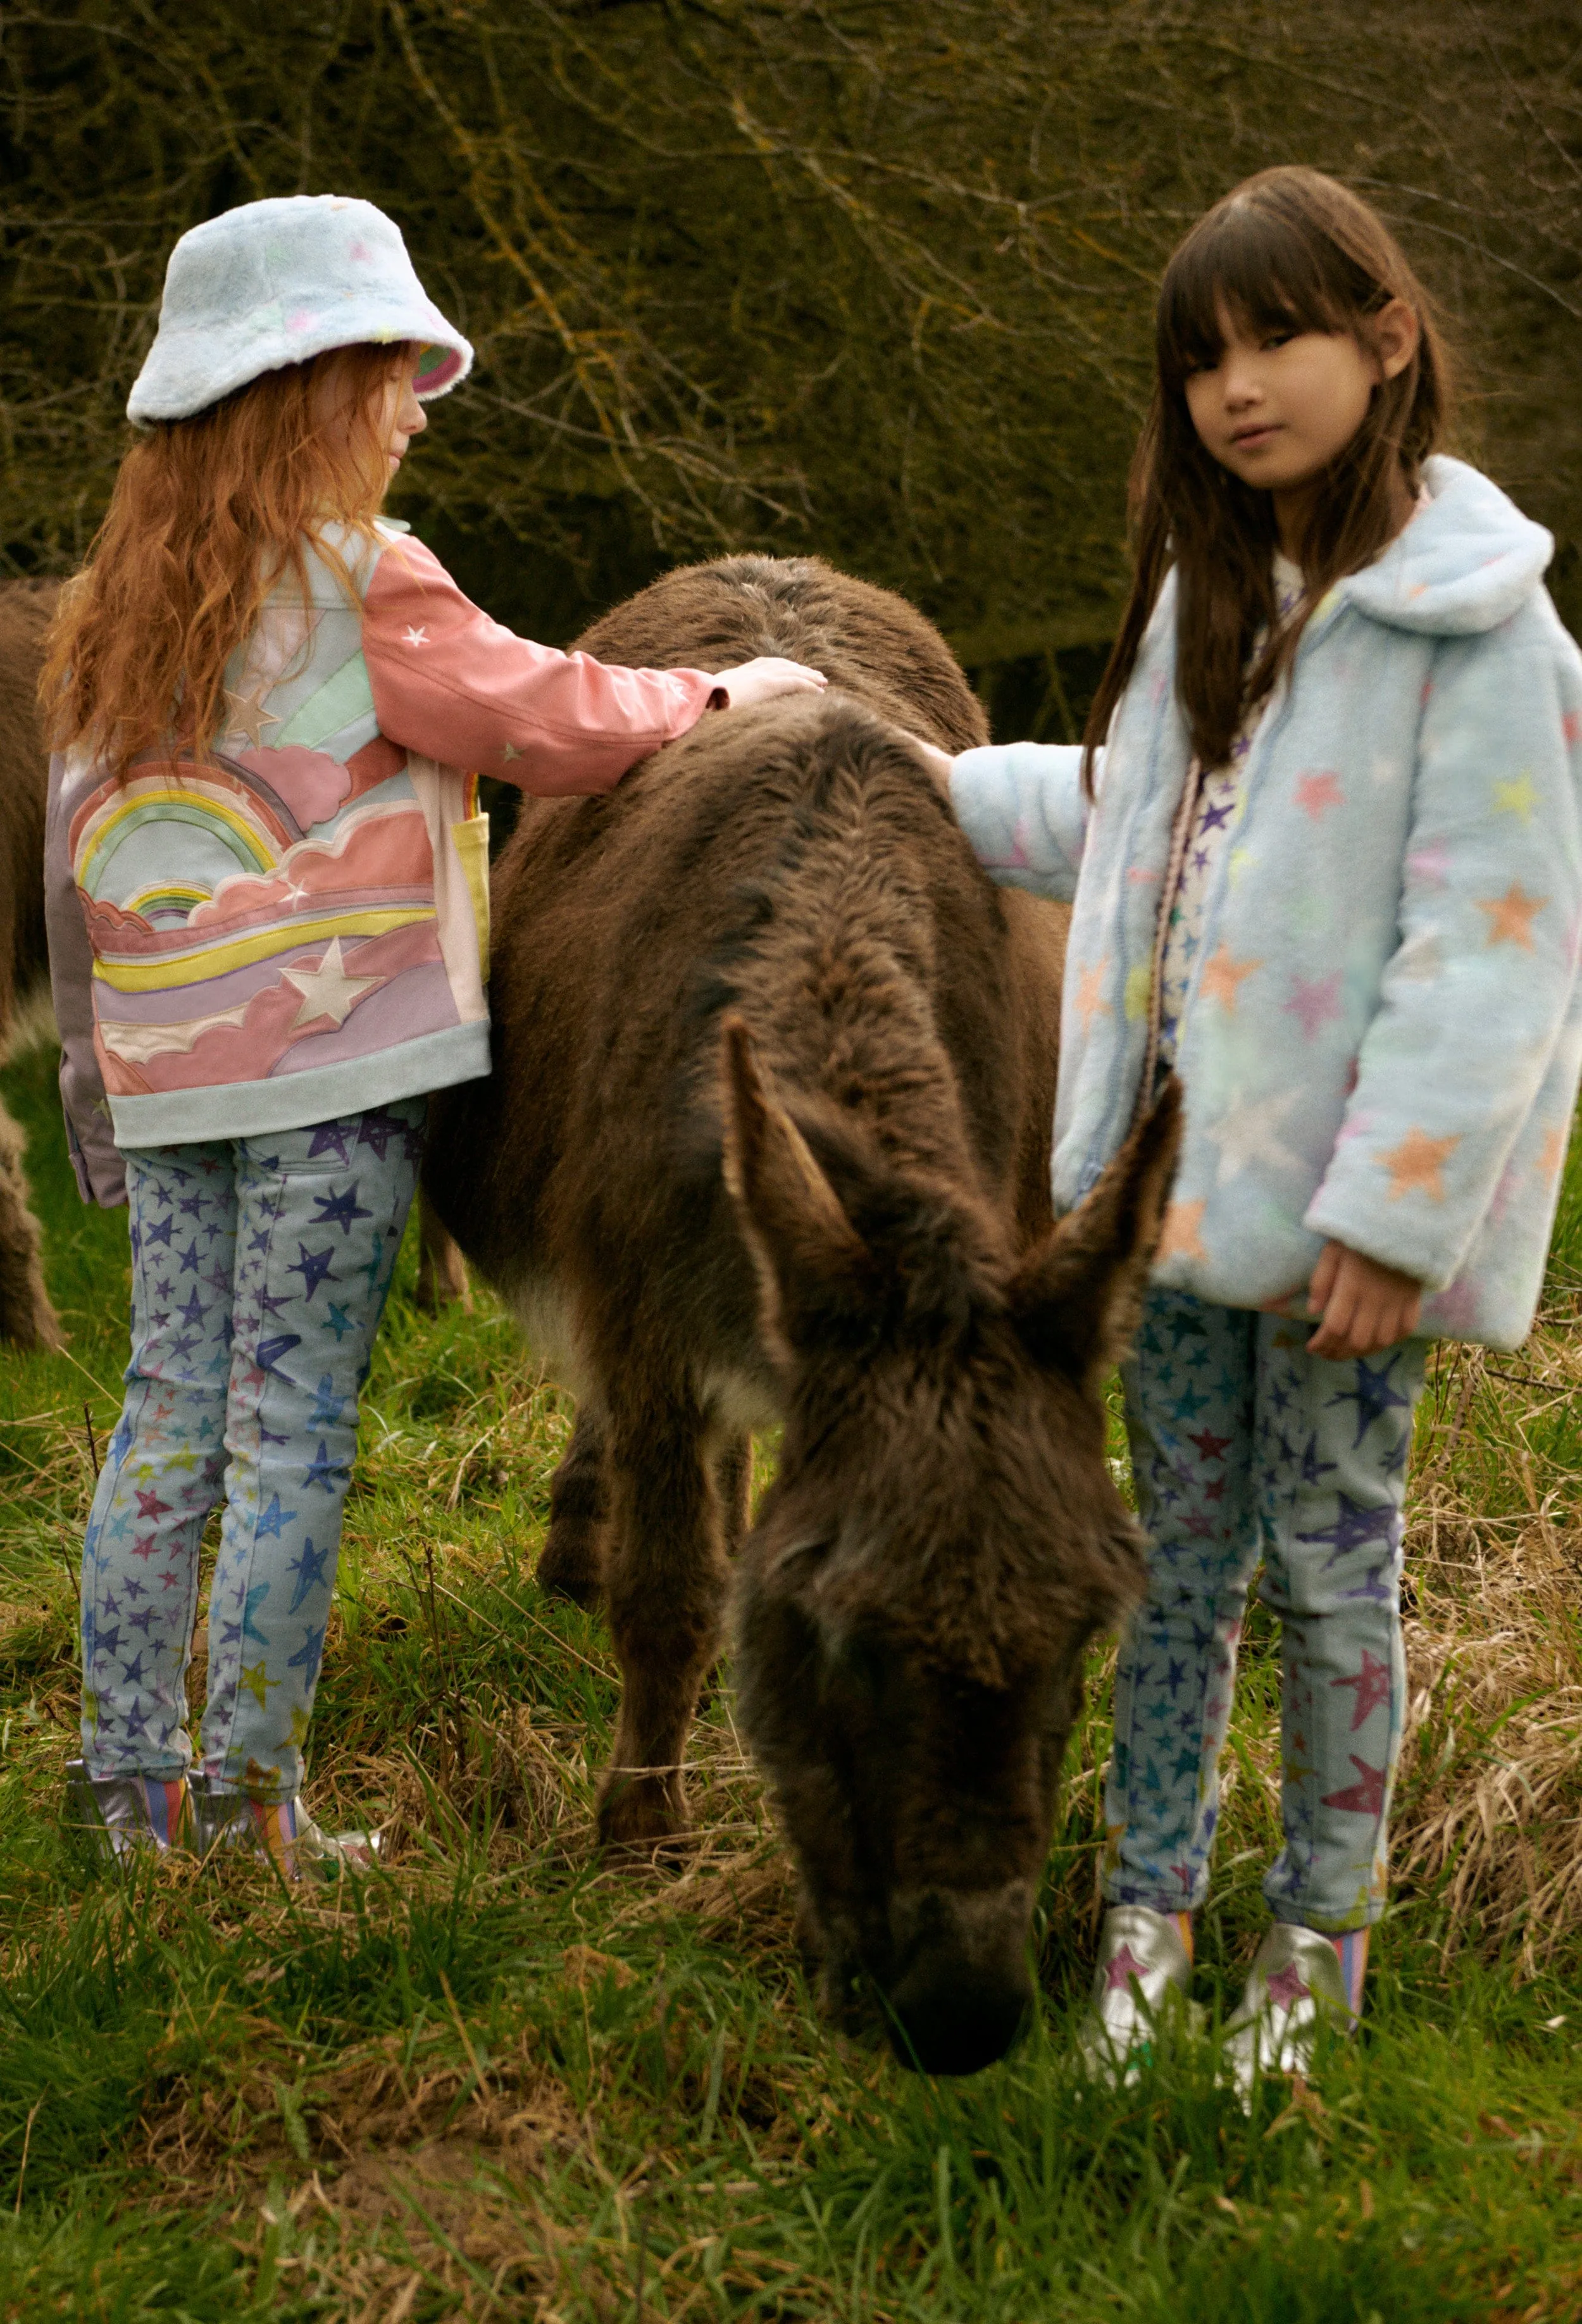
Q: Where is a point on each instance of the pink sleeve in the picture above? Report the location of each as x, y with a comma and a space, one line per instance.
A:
456, 686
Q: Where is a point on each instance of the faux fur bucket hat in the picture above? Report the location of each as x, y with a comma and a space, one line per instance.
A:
273, 282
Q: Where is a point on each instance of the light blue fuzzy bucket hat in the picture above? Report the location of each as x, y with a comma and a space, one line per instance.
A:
274, 282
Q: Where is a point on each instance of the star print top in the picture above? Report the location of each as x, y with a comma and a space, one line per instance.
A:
1215, 796
299, 926
1382, 1035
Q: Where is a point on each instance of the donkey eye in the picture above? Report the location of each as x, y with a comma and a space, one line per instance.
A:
799, 1558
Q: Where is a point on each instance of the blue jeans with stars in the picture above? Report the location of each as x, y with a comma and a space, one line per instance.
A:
260, 1269
1245, 1447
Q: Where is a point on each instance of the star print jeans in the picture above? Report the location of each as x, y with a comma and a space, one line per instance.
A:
260, 1268
1245, 1447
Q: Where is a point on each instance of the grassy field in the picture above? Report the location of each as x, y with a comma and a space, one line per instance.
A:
499, 2082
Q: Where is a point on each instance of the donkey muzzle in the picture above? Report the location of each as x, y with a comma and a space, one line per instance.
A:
960, 1987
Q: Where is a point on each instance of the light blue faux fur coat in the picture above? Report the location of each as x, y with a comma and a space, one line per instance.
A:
1383, 1031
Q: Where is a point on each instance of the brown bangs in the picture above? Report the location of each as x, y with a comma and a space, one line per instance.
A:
1289, 250
1266, 266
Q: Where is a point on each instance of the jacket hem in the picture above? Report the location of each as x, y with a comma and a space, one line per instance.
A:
190, 1117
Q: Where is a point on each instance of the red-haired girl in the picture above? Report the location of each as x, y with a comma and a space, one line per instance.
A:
269, 936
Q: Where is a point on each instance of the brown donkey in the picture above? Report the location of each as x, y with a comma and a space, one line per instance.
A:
26, 1318
767, 1140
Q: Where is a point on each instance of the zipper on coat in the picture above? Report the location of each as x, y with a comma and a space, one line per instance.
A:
1270, 727
1117, 1120
1180, 840
1106, 1141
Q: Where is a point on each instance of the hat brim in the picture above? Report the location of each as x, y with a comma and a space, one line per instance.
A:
181, 378
438, 368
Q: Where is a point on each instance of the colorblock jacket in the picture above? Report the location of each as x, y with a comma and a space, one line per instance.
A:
298, 927
1382, 1038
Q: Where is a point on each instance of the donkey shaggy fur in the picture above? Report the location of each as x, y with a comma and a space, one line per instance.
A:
767, 1140
26, 1318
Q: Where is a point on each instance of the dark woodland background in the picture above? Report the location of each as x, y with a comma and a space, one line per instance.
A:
871, 277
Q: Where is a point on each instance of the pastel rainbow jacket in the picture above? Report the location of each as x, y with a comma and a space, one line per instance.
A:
298, 927
1382, 1035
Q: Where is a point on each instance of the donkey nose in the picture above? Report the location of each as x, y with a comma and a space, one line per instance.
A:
963, 1987
959, 2019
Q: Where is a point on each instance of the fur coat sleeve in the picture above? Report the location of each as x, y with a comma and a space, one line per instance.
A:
1024, 811
1475, 999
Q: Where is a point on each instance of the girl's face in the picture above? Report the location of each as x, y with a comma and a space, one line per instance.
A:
394, 412
1278, 407
397, 414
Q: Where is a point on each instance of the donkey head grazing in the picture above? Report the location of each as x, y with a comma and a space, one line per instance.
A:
942, 1540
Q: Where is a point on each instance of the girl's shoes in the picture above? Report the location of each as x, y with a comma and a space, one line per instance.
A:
120, 1814
1296, 1985
281, 1830
1144, 1969
1301, 1981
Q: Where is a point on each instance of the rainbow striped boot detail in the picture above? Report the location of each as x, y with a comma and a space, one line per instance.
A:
281, 1831
118, 1815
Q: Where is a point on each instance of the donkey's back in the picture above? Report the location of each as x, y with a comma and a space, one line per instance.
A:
583, 1176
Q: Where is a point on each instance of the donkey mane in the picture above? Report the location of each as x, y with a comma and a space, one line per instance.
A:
831, 958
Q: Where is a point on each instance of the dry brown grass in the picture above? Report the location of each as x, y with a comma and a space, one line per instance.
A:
1490, 1817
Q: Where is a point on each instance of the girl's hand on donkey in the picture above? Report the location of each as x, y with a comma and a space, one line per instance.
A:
1364, 1305
938, 762
761, 681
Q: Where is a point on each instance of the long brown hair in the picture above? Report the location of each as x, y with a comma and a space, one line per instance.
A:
207, 516
1289, 250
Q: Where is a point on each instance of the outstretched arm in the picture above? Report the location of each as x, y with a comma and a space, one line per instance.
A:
452, 684
1022, 807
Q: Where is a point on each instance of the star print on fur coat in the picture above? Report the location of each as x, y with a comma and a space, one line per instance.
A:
1382, 1035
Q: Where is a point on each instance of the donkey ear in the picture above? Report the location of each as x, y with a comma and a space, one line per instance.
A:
804, 1245
1077, 1298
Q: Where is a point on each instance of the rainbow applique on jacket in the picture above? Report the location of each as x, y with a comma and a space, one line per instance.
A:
296, 927
207, 973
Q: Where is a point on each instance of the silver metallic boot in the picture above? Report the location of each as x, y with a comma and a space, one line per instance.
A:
1139, 1986
120, 1813
281, 1829
1294, 1987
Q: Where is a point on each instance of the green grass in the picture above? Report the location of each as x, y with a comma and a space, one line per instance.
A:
501, 2081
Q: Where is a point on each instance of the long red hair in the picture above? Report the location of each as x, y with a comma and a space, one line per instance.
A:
207, 514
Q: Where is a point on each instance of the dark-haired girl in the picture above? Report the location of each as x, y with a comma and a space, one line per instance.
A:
1324, 845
